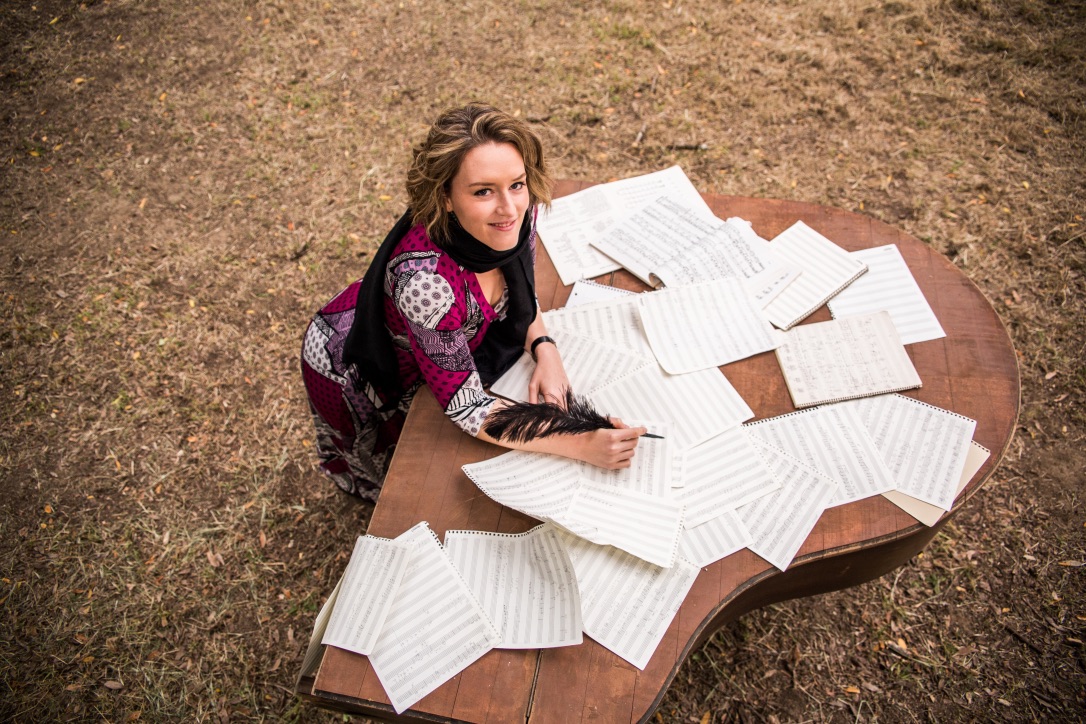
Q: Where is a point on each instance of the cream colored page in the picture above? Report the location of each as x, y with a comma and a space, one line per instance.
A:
699, 405
781, 521
616, 323
314, 649
588, 364
833, 440
587, 292
927, 513
703, 326
535, 484
924, 446
826, 270
435, 629
567, 229
525, 583
714, 539
722, 474
645, 526
845, 358
370, 583
627, 603
889, 285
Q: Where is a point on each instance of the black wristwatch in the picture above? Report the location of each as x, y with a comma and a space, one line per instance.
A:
540, 340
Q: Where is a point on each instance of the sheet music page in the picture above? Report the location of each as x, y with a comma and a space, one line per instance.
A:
567, 228
588, 363
373, 576
535, 484
627, 603
889, 285
616, 322
714, 539
645, 526
586, 292
435, 629
927, 513
720, 475
313, 651
781, 521
844, 359
699, 405
924, 446
651, 469
834, 441
703, 326
525, 583
827, 268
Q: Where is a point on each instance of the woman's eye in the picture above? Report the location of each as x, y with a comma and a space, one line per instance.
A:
481, 192
517, 186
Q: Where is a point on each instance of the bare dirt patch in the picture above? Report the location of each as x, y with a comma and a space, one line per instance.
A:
183, 185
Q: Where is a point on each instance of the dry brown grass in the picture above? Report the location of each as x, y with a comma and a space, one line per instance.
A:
183, 186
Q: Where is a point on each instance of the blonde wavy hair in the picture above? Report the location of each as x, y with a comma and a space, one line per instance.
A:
437, 160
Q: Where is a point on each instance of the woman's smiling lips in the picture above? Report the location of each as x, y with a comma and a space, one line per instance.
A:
505, 225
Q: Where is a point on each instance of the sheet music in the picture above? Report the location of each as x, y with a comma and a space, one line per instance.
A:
927, 513
889, 285
627, 603
525, 583
435, 629
827, 269
699, 405
643, 525
535, 484
844, 359
714, 539
834, 441
369, 586
651, 469
720, 475
588, 364
703, 326
313, 651
616, 322
586, 292
925, 447
781, 521
575, 220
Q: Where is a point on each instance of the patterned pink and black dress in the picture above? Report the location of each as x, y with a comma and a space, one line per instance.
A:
437, 316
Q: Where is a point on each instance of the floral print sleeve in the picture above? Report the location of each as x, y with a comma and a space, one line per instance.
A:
440, 325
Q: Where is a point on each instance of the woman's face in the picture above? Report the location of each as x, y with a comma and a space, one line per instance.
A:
489, 194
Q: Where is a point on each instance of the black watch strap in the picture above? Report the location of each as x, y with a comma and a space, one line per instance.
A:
540, 340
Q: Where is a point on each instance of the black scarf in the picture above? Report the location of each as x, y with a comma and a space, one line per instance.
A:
369, 344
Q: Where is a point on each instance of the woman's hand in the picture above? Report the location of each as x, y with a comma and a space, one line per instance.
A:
549, 382
609, 449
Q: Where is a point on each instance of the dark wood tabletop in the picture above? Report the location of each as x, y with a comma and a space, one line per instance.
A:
972, 371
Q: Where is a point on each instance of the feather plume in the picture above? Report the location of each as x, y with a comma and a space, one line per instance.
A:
524, 421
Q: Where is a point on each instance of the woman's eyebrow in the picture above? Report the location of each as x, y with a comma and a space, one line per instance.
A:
495, 183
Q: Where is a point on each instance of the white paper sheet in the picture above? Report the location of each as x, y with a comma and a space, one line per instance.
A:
722, 474
627, 603
588, 363
781, 521
927, 513
369, 587
435, 629
643, 525
575, 220
651, 469
616, 323
525, 583
703, 326
535, 484
844, 359
833, 440
714, 539
826, 270
313, 651
587, 292
925, 447
699, 405
889, 285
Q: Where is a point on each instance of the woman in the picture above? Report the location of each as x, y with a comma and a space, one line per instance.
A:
449, 302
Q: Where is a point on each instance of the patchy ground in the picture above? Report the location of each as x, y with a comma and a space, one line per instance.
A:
184, 184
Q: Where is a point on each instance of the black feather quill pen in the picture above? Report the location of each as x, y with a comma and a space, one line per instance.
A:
524, 421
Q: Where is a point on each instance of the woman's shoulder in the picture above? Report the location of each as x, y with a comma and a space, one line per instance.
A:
416, 253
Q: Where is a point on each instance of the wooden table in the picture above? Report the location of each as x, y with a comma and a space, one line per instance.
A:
973, 371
